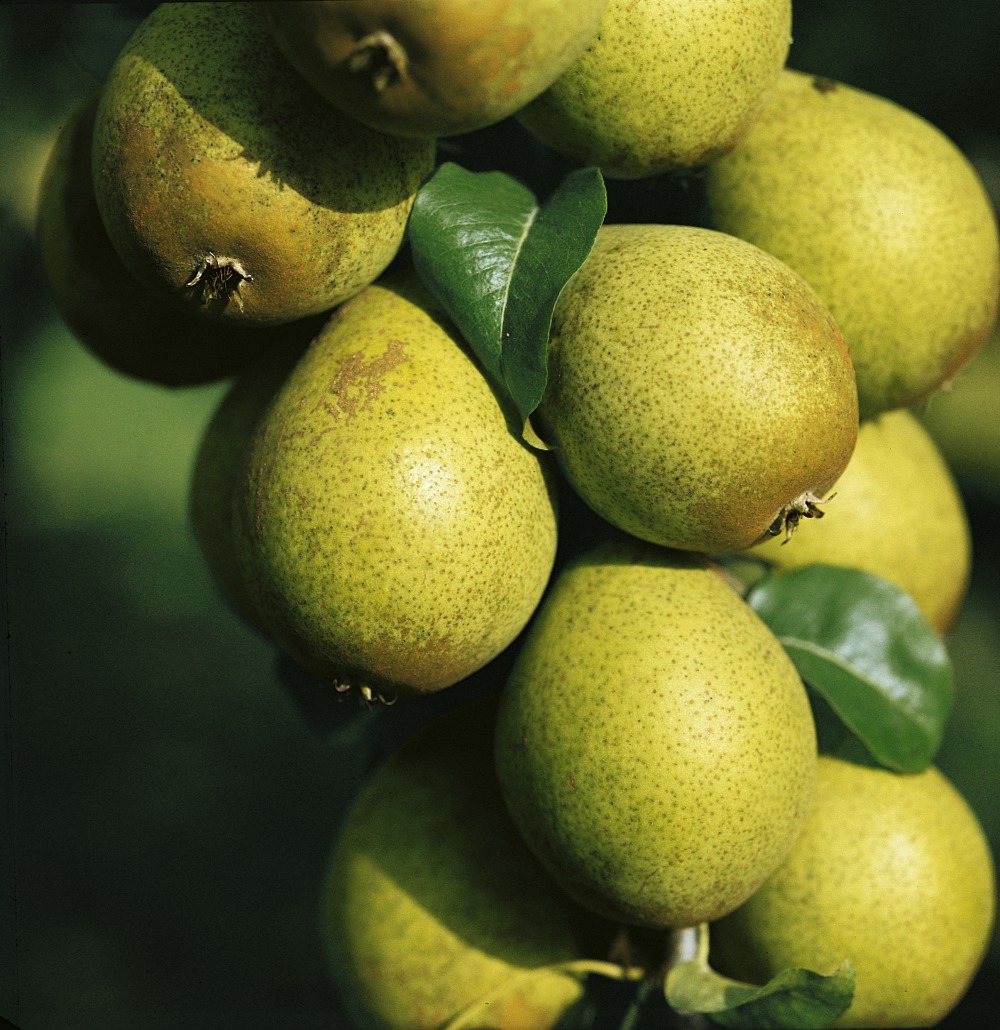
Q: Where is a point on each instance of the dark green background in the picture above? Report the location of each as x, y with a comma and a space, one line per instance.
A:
167, 806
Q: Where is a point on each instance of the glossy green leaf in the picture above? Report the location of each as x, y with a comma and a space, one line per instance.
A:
496, 259
795, 998
862, 643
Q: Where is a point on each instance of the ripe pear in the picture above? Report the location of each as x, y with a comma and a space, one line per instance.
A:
432, 901
897, 513
892, 872
227, 183
394, 529
664, 85
883, 215
699, 393
432, 67
655, 745
129, 327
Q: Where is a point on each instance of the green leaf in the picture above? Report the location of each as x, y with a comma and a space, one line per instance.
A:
862, 643
497, 260
795, 998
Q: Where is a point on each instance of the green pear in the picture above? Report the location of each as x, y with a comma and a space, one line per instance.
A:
699, 394
129, 327
655, 745
432, 67
891, 872
432, 902
664, 85
954, 417
897, 512
220, 465
394, 529
883, 215
225, 181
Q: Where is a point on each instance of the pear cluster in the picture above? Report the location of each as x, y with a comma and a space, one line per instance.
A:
232, 203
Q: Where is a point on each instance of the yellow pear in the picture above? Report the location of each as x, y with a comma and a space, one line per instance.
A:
699, 392
655, 745
226, 182
394, 530
883, 215
892, 872
432, 67
897, 513
432, 902
664, 84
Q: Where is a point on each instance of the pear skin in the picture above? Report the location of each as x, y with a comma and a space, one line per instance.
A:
432, 67
432, 902
895, 512
954, 417
220, 465
227, 183
655, 745
129, 326
394, 529
891, 872
665, 85
700, 395
883, 215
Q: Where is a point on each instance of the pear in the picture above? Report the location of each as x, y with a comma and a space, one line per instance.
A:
432, 67
891, 872
394, 529
699, 393
655, 746
664, 85
220, 465
432, 903
898, 513
224, 181
955, 418
129, 327
883, 215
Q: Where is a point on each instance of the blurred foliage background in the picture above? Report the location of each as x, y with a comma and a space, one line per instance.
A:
167, 802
